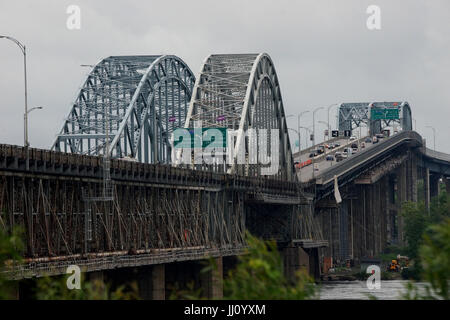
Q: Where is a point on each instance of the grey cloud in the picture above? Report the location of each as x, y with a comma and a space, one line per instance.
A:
322, 51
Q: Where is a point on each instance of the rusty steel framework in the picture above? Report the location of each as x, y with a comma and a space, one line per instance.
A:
139, 219
159, 213
241, 92
141, 99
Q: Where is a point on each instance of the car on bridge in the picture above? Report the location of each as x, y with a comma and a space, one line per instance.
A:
347, 152
313, 154
329, 158
368, 140
374, 139
339, 156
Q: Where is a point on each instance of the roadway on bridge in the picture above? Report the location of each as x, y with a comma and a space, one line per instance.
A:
320, 163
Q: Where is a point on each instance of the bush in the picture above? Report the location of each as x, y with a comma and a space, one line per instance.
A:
10, 247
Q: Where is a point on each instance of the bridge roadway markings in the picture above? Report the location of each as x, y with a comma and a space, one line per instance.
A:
306, 173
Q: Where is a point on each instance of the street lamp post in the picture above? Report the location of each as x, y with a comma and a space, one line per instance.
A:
298, 126
314, 124
308, 130
328, 117
314, 138
326, 126
434, 137
27, 143
24, 52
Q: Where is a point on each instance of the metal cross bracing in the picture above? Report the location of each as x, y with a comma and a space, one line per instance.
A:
141, 99
158, 213
242, 92
141, 219
354, 115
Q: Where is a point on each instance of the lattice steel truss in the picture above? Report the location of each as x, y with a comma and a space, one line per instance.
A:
353, 115
141, 98
242, 92
139, 219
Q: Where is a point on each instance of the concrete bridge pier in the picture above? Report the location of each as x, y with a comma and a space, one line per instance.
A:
434, 185
296, 258
431, 185
212, 280
447, 184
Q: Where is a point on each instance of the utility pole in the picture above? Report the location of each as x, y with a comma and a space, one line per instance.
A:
314, 138
25, 118
328, 118
298, 127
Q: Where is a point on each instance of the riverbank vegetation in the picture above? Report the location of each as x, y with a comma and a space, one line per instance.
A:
427, 236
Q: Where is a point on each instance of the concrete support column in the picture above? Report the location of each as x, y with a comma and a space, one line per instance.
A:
426, 187
294, 259
314, 263
402, 192
212, 281
447, 184
159, 282
434, 185
343, 231
144, 279
414, 177
97, 278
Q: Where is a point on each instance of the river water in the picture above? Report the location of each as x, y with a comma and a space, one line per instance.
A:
390, 290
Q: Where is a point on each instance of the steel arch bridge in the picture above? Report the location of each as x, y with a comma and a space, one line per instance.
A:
353, 115
241, 92
129, 105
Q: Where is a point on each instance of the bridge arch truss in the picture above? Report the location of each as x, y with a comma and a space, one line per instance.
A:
129, 105
241, 92
354, 115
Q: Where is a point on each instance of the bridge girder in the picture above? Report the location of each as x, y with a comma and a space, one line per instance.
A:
131, 102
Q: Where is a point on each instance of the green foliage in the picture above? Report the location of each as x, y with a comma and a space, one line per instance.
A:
416, 221
52, 288
435, 257
259, 275
10, 247
55, 288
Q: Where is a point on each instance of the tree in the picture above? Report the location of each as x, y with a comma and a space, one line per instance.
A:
435, 257
416, 221
10, 247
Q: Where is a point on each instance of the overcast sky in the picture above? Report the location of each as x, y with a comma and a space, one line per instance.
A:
322, 50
